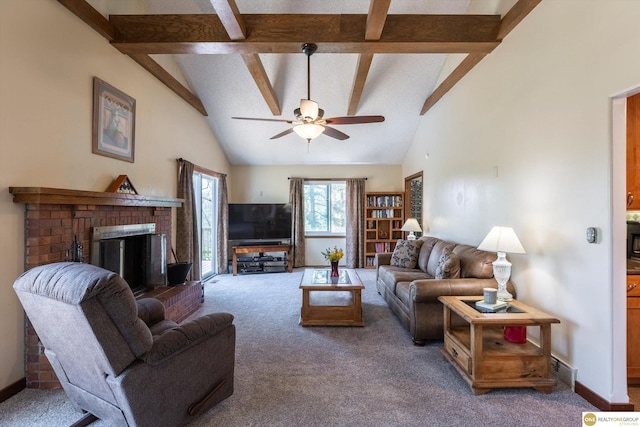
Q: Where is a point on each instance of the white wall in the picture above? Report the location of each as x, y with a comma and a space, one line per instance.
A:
270, 184
48, 58
525, 140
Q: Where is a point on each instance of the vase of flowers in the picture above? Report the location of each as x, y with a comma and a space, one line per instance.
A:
333, 256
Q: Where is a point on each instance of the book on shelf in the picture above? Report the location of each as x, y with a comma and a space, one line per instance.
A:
382, 213
384, 201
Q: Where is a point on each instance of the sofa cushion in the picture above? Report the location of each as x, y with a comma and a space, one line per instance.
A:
436, 253
448, 265
405, 253
425, 251
391, 275
402, 292
475, 262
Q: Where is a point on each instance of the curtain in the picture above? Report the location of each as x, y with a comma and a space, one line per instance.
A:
355, 223
187, 245
223, 225
296, 198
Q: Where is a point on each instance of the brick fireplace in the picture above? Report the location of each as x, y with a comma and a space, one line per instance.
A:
54, 218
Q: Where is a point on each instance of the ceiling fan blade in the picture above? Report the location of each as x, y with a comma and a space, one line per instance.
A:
352, 120
281, 134
335, 133
309, 108
263, 120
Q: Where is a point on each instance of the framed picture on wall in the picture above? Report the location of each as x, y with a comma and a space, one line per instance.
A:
114, 117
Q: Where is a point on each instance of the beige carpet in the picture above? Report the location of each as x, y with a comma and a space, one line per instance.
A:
288, 375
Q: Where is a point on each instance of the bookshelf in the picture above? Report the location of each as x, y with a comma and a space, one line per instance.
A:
384, 216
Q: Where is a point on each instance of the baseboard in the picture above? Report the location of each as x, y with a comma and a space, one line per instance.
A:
13, 389
600, 403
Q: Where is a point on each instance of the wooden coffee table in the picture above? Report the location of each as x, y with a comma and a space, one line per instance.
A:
330, 301
479, 352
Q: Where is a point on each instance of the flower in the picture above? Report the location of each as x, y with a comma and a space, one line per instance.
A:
333, 255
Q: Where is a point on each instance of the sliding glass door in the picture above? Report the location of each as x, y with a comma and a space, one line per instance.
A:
206, 192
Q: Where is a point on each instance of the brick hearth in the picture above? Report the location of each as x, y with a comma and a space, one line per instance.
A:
51, 227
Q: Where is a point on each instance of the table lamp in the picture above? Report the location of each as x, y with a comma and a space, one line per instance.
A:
411, 225
502, 240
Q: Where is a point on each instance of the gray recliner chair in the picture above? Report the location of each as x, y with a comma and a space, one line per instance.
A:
120, 359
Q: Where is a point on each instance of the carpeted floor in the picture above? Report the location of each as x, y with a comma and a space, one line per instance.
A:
331, 376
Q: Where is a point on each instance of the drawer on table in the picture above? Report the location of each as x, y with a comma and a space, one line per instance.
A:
458, 353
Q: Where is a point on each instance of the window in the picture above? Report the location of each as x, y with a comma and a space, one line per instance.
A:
205, 192
325, 208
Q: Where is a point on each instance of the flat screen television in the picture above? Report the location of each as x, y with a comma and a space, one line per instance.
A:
259, 221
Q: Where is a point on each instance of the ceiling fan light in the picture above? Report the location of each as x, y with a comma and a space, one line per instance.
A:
308, 108
308, 131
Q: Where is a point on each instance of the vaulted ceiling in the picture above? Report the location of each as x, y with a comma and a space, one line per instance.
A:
243, 58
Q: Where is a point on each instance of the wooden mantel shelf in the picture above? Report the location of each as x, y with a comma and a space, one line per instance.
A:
43, 195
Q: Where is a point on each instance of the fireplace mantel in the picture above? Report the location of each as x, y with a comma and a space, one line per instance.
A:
44, 195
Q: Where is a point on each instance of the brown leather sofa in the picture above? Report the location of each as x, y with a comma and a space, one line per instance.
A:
412, 293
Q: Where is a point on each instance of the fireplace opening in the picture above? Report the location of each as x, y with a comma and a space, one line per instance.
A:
133, 251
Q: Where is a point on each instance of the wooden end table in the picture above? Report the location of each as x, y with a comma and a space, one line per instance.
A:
330, 301
484, 358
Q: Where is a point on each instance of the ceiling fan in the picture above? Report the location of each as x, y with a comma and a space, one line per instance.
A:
309, 122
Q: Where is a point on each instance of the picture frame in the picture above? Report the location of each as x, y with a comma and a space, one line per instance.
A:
114, 116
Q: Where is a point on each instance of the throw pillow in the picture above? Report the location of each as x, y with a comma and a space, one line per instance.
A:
405, 254
448, 265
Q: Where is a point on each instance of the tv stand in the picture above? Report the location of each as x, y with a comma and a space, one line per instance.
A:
260, 263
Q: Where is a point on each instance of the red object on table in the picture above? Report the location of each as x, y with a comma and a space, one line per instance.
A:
515, 334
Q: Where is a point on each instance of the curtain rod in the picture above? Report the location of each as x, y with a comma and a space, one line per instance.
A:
324, 179
201, 169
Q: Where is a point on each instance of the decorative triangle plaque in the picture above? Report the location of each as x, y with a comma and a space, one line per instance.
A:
122, 184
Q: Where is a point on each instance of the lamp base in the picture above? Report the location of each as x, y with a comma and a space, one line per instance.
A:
411, 236
502, 272
504, 295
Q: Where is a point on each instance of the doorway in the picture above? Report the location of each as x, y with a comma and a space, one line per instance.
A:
206, 195
413, 199
619, 247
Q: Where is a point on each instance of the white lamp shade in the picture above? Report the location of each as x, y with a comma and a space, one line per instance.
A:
309, 131
411, 224
502, 239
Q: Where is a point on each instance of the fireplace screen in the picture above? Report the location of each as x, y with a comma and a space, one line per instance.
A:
133, 251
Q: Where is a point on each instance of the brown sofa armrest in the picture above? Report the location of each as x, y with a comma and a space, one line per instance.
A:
383, 258
429, 290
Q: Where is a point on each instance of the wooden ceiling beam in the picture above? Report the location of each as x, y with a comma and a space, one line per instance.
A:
378, 10
456, 75
91, 17
231, 19
516, 14
99, 23
268, 33
234, 24
255, 67
218, 48
165, 77
362, 71
511, 19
